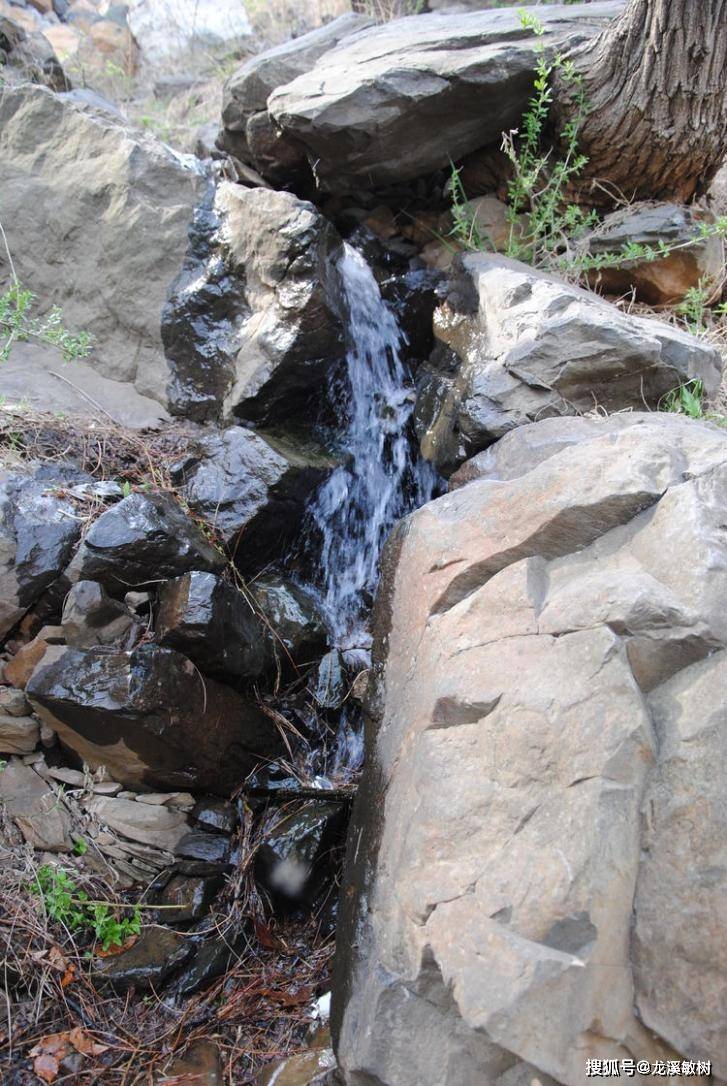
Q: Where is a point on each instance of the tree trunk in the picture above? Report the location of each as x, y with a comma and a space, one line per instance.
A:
656, 120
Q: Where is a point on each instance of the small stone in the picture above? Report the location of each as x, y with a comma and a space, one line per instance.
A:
18, 734
156, 826
74, 777
13, 701
191, 897
19, 670
35, 808
182, 800
200, 1064
91, 617
208, 847
313, 1068
157, 952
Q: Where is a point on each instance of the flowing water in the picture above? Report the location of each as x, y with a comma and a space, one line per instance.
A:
381, 478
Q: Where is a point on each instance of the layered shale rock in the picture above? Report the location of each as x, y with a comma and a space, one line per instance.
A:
533, 873
516, 345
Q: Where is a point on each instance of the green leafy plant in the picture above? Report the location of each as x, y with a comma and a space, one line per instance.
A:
71, 906
685, 400
18, 324
541, 220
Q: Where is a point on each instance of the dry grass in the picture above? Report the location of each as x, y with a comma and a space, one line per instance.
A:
257, 1012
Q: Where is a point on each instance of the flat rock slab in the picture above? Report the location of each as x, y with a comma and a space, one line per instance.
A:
400, 100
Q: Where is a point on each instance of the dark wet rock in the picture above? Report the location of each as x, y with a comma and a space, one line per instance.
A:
209, 848
151, 719
201, 318
38, 531
214, 624
156, 954
253, 489
330, 686
91, 617
693, 262
398, 101
291, 864
186, 897
212, 956
142, 539
244, 104
298, 629
413, 297
215, 815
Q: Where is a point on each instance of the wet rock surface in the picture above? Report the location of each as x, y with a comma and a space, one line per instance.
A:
152, 719
291, 863
141, 539
297, 630
156, 954
282, 249
537, 648
38, 531
253, 489
516, 345
215, 625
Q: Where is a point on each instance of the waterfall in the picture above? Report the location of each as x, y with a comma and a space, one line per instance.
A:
381, 477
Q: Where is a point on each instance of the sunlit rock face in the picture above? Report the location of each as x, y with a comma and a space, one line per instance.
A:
533, 874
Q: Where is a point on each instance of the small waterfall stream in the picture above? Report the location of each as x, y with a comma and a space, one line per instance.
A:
381, 478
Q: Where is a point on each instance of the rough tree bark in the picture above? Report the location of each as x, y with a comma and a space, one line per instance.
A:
655, 79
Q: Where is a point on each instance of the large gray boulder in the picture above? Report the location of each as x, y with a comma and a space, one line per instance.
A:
400, 100
248, 131
97, 218
516, 345
534, 875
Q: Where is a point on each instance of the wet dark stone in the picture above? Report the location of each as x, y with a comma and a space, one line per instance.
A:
142, 539
212, 848
330, 685
299, 633
211, 957
215, 815
152, 719
191, 897
200, 321
91, 617
292, 864
38, 531
413, 297
213, 624
254, 489
156, 954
